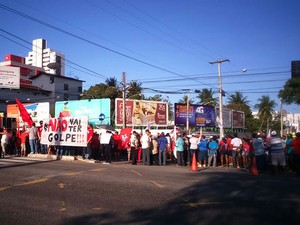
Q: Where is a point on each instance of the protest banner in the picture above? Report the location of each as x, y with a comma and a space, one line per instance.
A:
65, 131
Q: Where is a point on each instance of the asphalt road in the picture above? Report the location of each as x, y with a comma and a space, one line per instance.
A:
66, 193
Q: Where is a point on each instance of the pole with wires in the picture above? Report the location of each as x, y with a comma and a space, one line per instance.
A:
220, 94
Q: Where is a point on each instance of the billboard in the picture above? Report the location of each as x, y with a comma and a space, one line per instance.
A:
37, 111
9, 77
97, 110
199, 115
227, 117
141, 113
238, 119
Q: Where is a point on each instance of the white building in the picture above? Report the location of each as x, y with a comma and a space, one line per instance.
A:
42, 57
292, 122
38, 83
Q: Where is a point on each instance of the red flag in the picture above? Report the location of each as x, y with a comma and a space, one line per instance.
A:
125, 134
24, 114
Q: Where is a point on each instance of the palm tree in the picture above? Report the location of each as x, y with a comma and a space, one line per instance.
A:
206, 97
135, 90
111, 82
238, 99
185, 99
265, 110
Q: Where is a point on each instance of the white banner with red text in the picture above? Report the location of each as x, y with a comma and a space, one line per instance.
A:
65, 131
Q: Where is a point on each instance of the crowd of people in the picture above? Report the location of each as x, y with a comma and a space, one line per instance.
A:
273, 154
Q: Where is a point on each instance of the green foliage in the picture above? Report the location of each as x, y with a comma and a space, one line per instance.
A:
206, 97
99, 91
291, 92
265, 110
185, 99
134, 90
238, 99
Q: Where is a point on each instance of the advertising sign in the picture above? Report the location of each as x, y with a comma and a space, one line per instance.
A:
65, 131
199, 115
142, 113
227, 117
37, 111
9, 77
238, 119
97, 110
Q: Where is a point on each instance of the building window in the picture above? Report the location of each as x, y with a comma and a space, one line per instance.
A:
66, 87
80, 89
66, 96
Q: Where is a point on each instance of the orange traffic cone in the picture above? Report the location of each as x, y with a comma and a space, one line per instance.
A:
253, 170
194, 166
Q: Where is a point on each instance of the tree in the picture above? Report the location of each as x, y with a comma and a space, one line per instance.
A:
265, 110
206, 97
155, 98
185, 99
135, 90
238, 99
291, 92
111, 82
101, 90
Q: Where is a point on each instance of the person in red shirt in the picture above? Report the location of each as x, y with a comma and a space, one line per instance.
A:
117, 145
296, 154
229, 146
223, 148
88, 150
24, 136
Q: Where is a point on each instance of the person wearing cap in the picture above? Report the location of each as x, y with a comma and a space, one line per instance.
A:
276, 150
259, 151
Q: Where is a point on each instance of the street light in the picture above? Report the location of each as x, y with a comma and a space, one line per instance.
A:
220, 94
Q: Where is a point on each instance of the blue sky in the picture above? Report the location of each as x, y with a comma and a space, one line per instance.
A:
166, 45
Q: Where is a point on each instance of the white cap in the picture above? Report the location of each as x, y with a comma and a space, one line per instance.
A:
273, 132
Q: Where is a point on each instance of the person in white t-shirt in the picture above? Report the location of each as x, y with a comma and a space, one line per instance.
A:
194, 145
145, 141
237, 145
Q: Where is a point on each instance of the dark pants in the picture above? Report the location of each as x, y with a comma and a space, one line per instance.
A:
134, 155
108, 153
180, 157
296, 159
192, 152
155, 159
236, 158
146, 156
260, 163
162, 157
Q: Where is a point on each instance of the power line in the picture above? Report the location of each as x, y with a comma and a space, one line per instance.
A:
88, 41
93, 73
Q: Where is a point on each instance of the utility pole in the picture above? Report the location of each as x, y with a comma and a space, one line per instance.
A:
187, 113
187, 109
281, 120
124, 98
220, 94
